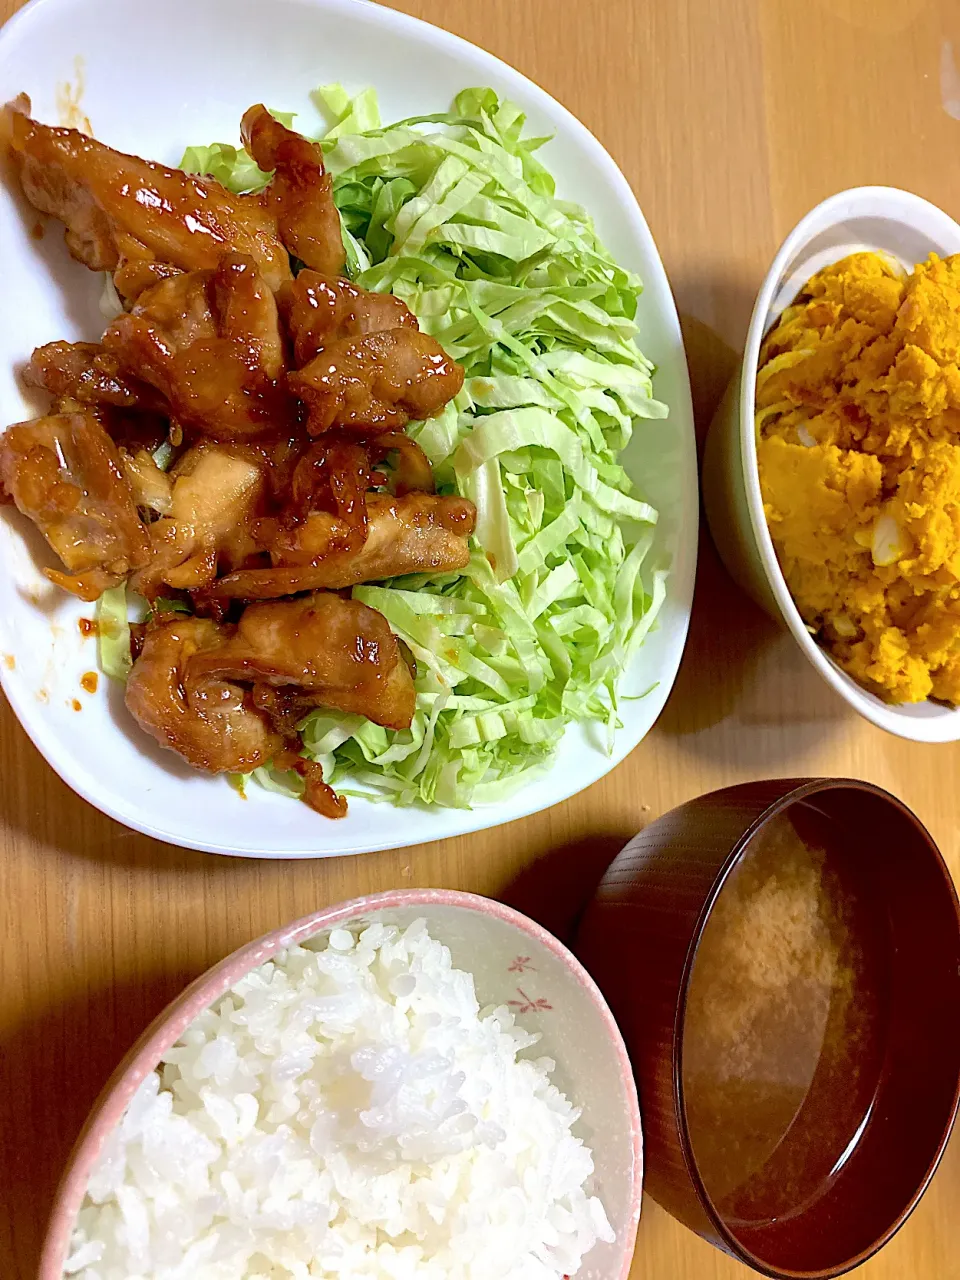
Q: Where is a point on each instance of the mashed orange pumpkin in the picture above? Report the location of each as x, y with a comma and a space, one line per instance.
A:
858, 445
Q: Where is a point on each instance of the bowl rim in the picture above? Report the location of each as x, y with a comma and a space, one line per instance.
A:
210, 985
894, 719
803, 791
589, 764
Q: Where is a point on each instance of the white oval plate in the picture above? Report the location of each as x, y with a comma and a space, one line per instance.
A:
153, 78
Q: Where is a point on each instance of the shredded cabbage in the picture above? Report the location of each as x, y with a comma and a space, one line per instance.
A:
113, 634
455, 214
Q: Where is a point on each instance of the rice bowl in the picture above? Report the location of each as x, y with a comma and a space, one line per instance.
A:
427, 1094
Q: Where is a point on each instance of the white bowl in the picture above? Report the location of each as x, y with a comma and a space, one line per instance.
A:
876, 218
514, 961
218, 57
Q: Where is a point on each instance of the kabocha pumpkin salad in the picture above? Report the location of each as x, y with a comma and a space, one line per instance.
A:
858, 446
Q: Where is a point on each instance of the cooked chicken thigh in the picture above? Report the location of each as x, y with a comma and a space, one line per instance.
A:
338, 651
208, 720
322, 309
377, 382
213, 498
215, 724
279, 400
86, 373
418, 533
120, 210
64, 472
300, 196
210, 342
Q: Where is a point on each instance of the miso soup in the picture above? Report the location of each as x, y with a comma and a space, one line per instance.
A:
785, 1020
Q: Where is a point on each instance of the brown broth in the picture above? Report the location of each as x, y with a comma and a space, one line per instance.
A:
785, 1021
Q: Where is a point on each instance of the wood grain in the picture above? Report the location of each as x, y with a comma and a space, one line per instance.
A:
730, 118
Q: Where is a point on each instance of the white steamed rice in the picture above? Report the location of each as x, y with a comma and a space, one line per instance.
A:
347, 1111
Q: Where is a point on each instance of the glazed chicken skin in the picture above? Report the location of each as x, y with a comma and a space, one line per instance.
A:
215, 724
124, 214
121, 211
335, 474
86, 373
209, 721
322, 309
338, 652
417, 533
81, 375
375, 383
211, 500
300, 196
64, 473
209, 342
362, 363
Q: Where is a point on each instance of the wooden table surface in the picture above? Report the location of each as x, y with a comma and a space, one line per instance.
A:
730, 118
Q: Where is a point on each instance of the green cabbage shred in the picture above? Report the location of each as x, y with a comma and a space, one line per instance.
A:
456, 215
113, 634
